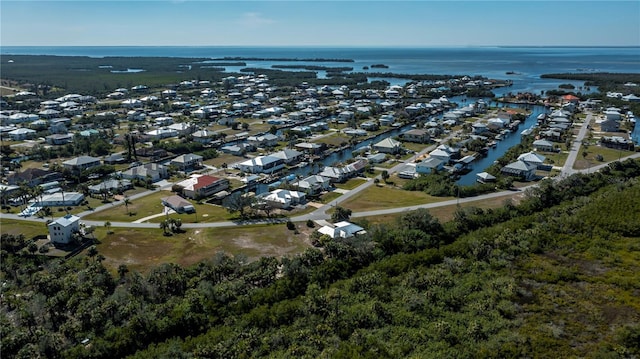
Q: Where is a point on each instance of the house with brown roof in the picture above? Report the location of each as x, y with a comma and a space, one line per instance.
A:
201, 186
178, 204
33, 177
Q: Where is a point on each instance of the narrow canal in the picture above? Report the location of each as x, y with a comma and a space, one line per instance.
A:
510, 140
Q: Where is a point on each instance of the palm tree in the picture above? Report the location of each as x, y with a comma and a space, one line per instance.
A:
126, 202
107, 225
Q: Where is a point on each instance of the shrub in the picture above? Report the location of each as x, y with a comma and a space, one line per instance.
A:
290, 225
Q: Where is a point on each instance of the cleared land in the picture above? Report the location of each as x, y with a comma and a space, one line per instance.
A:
142, 249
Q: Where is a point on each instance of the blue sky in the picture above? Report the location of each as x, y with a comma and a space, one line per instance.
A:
320, 23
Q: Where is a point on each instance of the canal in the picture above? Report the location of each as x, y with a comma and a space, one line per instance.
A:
510, 139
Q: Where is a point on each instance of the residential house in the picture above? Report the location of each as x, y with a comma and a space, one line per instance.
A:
430, 165
441, 154
153, 171
204, 136
21, 134
282, 198
239, 149
521, 169
59, 199
267, 140
161, 133
484, 177
342, 230
62, 229
59, 139
33, 177
262, 164
114, 159
187, 162
201, 186
369, 126
388, 145
111, 185
313, 184
532, 158
289, 156
310, 148
543, 146
416, 135
81, 163
182, 128
178, 204
609, 125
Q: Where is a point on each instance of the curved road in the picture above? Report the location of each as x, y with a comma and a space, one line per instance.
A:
320, 213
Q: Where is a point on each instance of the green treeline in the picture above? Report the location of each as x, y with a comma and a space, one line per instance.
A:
552, 276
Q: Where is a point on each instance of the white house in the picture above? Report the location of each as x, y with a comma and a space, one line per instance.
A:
342, 230
262, 164
282, 198
21, 134
187, 162
61, 230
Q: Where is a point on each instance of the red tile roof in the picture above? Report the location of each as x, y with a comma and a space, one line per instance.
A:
204, 181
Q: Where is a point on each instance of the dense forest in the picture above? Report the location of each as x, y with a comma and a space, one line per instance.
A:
555, 275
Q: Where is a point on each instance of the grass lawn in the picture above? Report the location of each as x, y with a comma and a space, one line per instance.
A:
139, 208
329, 197
608, 154
334, 140
351, 183
412, 146
28, 228
142, 249
383, 197
223, 158
151, 205
558, 158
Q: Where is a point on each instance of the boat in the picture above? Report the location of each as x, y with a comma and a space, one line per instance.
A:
542, 117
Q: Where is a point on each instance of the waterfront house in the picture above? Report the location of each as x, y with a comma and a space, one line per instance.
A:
262, 164
388, 145
282, 198
266, 140
521, 169
430, 165
289, 156
543, 146
608, 124
313, 184
532, 158
484, 177
201, 186
416, 135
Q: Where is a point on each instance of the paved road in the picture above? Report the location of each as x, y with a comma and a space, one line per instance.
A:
567, 169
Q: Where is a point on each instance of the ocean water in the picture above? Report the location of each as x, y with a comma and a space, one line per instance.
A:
526, 63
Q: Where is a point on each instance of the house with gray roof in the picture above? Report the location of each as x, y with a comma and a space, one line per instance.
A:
521, 169
81, 163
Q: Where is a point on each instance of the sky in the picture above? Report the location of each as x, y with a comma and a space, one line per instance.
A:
357, 23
